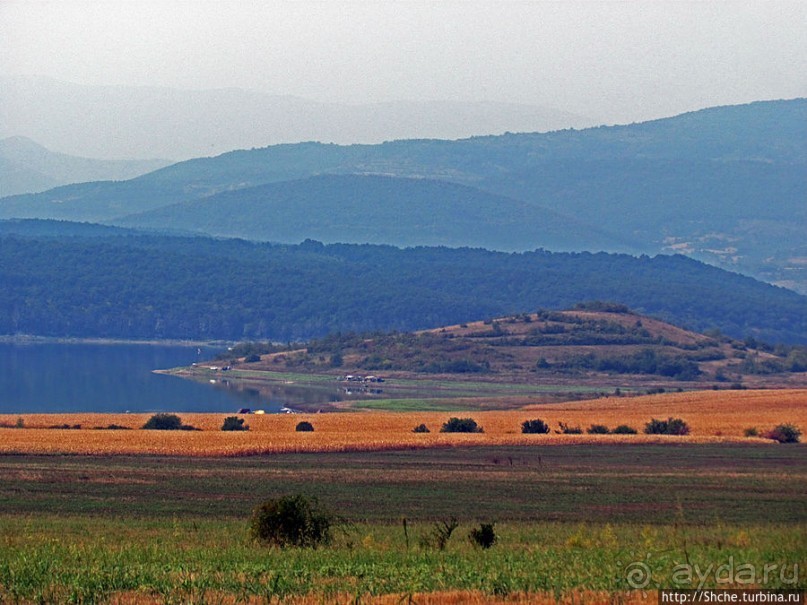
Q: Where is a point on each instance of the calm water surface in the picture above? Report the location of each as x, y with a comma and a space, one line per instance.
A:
50, 377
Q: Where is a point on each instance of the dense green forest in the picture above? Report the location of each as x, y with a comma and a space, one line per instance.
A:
125, 285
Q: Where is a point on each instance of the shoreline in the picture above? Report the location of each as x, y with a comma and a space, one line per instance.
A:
31, 339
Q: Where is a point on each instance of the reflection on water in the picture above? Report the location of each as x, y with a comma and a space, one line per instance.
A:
56, 377
318, 395
271, 396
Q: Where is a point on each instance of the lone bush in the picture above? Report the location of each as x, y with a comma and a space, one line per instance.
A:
166, 422
234, 423
624, 429
484, 535
598, 429
784, 433
533, 427
461, 425
671, 426
751, 432
441, 533
304, 427
421, 428
296, 520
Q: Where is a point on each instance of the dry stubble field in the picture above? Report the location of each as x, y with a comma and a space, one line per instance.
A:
713, 416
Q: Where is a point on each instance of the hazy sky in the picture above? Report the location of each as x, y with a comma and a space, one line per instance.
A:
618, 61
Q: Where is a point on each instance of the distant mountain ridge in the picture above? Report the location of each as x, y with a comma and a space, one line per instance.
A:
129, 121
725, 185
27, 167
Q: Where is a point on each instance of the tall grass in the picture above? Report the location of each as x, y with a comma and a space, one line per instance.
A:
85, 560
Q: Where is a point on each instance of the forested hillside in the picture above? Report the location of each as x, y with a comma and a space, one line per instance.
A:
724, 185
379, 210
135, 286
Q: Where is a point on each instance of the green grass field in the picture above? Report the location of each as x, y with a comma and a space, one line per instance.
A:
174, 530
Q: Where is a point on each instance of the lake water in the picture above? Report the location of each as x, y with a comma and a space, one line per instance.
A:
51, 377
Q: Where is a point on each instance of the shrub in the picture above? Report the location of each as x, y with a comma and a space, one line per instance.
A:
461, 425
483, 536
291, 521
441, 534
234, 423
457, 366
535, 426
676, 426
751, 432
598, 429
671, 426
164, 422
304, 427
252, 358
569, 430
421, 428
624, 429
19, 424
784, 433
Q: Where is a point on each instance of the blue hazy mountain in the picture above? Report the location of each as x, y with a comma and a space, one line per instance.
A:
725, 184
27, 167
378, 210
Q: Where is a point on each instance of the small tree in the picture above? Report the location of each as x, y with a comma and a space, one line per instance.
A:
442, 531
671, 426
461, 425
234, 423
655, 427
421, 428
304, 427
784, 433
598, 429
164, 422
536, 426
483, 536
624, 429
291, 521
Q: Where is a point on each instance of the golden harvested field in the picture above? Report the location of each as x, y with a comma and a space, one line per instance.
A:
712, 415
726, 413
